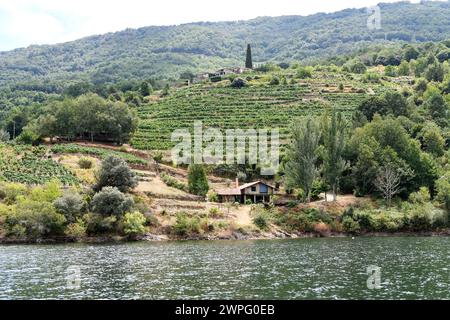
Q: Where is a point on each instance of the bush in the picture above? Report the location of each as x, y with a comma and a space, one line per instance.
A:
172, 182
350, 225
70, 205
238, 83
76, 230
186, 225
9, 192
216, 213
134, 223
261, 221
212, 196
304, 72
115, 172
85, 163
35, 219
96, 223
443, 191
274, 81
49, 192
420, 197
110, 201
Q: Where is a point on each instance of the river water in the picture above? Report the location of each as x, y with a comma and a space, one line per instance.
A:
333, 268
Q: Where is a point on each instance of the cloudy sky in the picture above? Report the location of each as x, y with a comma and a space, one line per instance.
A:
26, 22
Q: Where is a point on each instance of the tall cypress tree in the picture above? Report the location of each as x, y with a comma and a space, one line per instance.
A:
248, 60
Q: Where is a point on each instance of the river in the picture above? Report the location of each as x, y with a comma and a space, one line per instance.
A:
319, 268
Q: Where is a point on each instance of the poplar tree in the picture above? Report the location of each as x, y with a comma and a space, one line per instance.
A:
334, 144
248, 60
301, 169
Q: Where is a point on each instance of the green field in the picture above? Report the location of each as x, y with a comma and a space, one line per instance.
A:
259, 105
31, 165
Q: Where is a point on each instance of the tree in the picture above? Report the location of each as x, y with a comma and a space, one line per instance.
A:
373, 105
249, 60
110, 201
403, 68
302, 156
388, 182
437, 108
145, 89
435, 72
334, 143
197, 181
70, 205
115, 172
410, 53
432, 140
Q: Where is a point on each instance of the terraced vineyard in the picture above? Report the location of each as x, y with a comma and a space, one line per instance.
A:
259, 105
31, 165
97, 152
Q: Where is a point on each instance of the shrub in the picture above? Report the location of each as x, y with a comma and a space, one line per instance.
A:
134, 223
96, 223
110, 201
350, 225
304, 72
115, 172
261, 221
274, 81
70, 205
9, 192
215, 213
85, 163
238, 83
212, 196
35, 219
172, 182
49, 192
76, 230
443, 191
185, 225
420, 197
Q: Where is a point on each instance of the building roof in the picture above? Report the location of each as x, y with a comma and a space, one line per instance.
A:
237, 191
229, 192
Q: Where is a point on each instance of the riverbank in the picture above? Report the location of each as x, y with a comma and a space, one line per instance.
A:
212, 237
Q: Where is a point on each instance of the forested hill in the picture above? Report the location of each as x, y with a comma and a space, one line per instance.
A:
164, 52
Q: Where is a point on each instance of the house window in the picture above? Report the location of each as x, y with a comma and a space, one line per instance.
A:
263, 189
253, 189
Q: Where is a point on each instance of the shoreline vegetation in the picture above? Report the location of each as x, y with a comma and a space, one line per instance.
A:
233, 237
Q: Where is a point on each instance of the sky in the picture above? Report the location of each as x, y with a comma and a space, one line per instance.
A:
27, 22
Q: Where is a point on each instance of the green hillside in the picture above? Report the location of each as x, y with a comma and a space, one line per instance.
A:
164, 52
259, 105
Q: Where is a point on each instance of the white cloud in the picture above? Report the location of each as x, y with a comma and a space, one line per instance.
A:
25, 22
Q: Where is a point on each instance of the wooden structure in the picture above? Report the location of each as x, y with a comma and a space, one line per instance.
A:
256, 192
